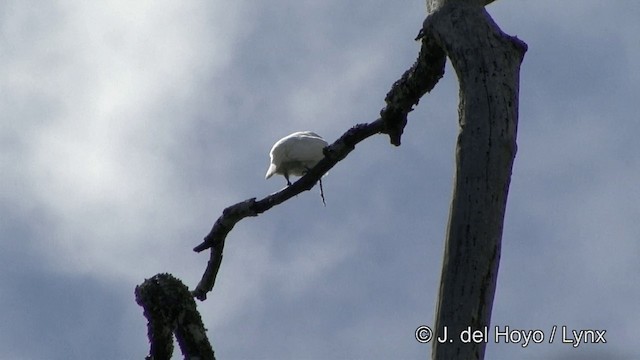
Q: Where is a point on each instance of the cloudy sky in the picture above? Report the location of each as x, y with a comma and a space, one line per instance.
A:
126, 128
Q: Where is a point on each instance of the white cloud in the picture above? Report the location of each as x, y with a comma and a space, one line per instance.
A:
117, 78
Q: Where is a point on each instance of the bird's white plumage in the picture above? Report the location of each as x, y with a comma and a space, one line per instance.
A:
295, 154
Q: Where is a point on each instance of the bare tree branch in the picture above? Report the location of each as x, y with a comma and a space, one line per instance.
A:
169, 308
433, 5
404, 94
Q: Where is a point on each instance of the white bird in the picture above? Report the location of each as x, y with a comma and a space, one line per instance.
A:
295, 154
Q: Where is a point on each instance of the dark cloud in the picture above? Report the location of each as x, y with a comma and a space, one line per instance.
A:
127, 129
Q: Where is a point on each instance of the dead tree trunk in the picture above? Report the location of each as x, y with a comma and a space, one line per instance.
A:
487, 63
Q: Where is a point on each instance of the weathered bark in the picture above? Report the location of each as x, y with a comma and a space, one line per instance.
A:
170, 309
487, 63
433, 5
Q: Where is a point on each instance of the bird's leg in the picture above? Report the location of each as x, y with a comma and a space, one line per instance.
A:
322, 193
286, 176
321, 190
